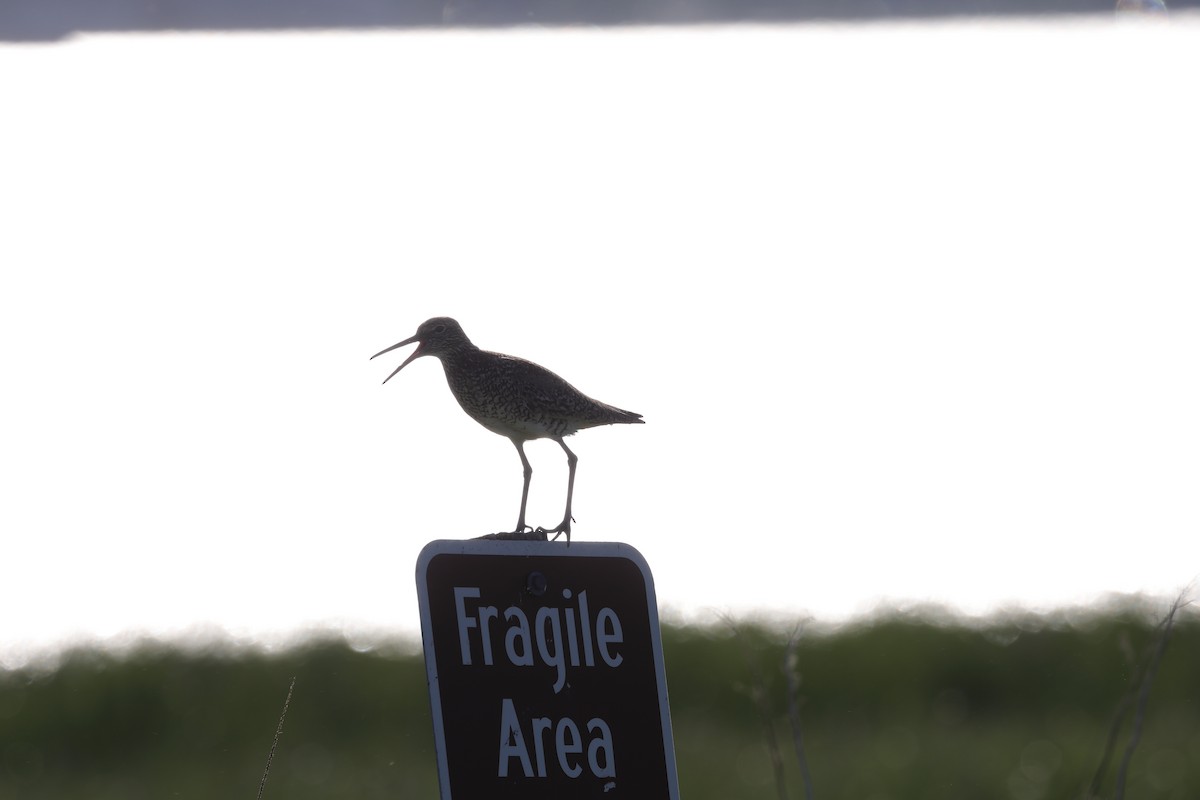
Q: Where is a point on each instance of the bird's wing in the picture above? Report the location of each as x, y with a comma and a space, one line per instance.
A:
544, 391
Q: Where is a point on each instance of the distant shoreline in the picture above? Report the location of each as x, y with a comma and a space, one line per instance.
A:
31, 20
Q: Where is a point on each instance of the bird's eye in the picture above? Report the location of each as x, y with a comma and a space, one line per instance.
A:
440, 329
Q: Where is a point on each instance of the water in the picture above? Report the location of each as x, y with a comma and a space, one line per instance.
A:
909, 309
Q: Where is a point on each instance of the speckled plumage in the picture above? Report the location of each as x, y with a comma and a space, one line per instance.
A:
512, 397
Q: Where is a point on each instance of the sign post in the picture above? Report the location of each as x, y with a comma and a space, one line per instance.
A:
545, 671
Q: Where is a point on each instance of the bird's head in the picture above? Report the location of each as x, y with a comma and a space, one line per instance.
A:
439, 336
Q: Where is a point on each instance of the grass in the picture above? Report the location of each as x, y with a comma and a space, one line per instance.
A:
902, 707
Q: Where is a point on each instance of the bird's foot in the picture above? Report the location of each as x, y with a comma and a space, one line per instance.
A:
525, 533
564, 528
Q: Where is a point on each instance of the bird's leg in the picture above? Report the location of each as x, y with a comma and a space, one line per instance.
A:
520, 445
564, 527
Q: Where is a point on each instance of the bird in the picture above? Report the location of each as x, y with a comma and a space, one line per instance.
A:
514, 398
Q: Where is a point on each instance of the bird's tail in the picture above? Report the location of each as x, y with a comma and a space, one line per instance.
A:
620, 415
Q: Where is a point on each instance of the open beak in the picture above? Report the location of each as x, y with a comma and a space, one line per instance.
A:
415, 354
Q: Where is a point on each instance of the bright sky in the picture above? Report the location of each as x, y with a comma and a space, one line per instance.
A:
909, 318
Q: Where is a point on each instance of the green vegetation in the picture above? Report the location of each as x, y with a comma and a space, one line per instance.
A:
903, 707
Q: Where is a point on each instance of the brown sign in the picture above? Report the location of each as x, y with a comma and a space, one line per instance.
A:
545, 671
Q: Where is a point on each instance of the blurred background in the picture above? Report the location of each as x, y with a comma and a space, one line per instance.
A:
33, 20
906, 294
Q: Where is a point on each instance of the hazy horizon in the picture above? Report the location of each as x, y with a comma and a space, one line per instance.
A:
910, 320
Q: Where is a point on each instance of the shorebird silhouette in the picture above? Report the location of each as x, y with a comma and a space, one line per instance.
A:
514, 398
